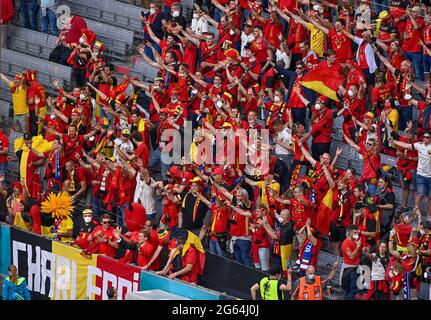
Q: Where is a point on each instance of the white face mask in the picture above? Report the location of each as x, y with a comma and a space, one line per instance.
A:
277, 99
81, 40
219, 104
194, 91
52, 116
311, 276
355, 236
195, 16
152, 11
231, 32
350, 93
173, 100
422, 232
87, 219
82, 97
175, 14
318, 106
280, 219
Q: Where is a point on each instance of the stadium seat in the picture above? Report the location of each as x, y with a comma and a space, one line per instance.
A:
111, 12
29, 42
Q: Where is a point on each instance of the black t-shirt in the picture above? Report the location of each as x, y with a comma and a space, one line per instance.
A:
287, 233
193, 218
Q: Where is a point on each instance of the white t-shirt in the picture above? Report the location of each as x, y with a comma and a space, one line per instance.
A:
244, 40
199, 26
124, 146
424, 162
283, 56
286, 137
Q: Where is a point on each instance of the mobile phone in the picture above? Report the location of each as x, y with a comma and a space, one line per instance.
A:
143, 14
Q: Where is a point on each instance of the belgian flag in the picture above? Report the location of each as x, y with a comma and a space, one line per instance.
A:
191, 240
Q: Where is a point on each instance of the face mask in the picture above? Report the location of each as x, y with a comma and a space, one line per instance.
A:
280, 219
52, 116
87, 219
173, 100
355, 236
422, 232
195, 16
82, 97
152, 11
219, 104
350, 93
175, 14
277, 99
194, 91
318, 106
81, 40
311, 276
231, 32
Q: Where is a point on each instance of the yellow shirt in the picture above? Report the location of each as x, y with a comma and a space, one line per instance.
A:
263, 199
394, 116
64, 226
20, 223
317, 40
19, 99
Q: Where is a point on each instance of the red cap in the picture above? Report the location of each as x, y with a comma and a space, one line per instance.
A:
218, 170
324, 99
174, 171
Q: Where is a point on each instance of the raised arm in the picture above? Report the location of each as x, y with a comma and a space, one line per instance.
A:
350, 141
386, 62
328, 176
307, 154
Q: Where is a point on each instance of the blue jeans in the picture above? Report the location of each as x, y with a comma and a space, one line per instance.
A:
352, 288
29, 12
50, 19
427, 64
406, 114
215, 248
241, 252
149, 52
417, 59
156, 161
97, 206
423, 185
120, 214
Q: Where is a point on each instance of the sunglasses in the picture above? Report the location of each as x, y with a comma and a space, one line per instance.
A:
427, 137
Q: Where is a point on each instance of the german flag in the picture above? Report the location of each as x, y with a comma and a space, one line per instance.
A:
323, 80
323, 214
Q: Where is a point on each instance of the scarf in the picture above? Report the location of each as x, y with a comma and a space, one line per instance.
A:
72, 181
306, 255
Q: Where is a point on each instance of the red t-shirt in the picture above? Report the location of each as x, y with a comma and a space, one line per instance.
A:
241, 227
349, 244
190, 257
191, 57
4, 143
105, 248
321, 129
411, 42
145, 254
143, 153
219, 219
341, 44
371, 164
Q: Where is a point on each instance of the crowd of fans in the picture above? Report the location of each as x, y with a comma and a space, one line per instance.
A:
289, 68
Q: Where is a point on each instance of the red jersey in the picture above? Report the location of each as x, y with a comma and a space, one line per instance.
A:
105, 248
371, 164
349, 244
259, 47
412, 36
321, 128
219, 219
239, 225
341, 44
